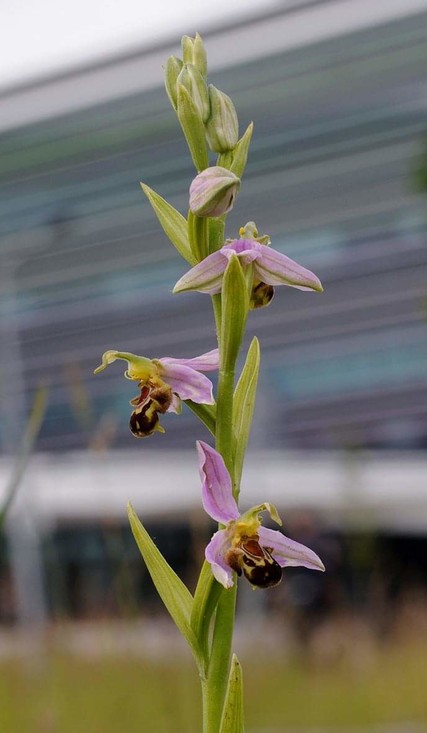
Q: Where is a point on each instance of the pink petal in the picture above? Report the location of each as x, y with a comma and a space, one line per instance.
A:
247, 250
274, 268
287, 552
215, 553
206, 277
217, 495
188, 384
203, 363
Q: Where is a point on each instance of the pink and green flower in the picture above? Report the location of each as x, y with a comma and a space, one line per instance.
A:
269, 267
244, 545
163, 384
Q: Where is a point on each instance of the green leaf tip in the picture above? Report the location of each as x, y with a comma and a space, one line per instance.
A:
174, 594
173, 223
232, 715
244, 404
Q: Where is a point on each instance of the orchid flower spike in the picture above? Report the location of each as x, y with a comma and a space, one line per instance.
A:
163, 384
244, 545
269, 268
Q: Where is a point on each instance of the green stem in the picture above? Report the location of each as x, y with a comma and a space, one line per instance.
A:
230, 310
216, 681
217, 309
216, 233
224, 415
206, 597
198, 234
216, 229
215, 685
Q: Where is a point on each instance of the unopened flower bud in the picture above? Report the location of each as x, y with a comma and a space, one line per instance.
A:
195, 84
187, 44
222, 128
172, 71
200, 60
194, 52
213, 191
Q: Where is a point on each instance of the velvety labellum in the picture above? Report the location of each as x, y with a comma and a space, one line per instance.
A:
144, 419
255, 562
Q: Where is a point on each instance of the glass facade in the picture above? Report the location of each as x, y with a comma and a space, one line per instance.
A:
85, 266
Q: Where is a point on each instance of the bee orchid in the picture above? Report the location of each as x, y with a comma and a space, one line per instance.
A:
269, 268
163, 383
244, 545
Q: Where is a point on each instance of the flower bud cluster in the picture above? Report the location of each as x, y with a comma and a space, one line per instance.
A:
214, 108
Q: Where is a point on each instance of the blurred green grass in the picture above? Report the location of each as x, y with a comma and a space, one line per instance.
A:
64, 693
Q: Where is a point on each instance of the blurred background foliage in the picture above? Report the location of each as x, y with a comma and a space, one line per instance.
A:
353, 685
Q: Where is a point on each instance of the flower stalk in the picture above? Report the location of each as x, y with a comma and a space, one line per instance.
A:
240, 275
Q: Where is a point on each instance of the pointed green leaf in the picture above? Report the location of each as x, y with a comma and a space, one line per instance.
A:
193, 128
240, 152
234, 313
243, 406
232, 715
206, 599
206, 413
174, 594
173, 223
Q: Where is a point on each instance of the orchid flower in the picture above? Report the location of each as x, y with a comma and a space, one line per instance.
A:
244, 545
269, 267
163, 384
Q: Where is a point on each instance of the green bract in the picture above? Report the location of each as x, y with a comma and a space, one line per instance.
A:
240, 152
243, 406
172, 222
232, 717
234, 312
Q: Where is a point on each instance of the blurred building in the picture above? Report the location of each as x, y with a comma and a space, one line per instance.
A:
70, 551
339, 118
338, 95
